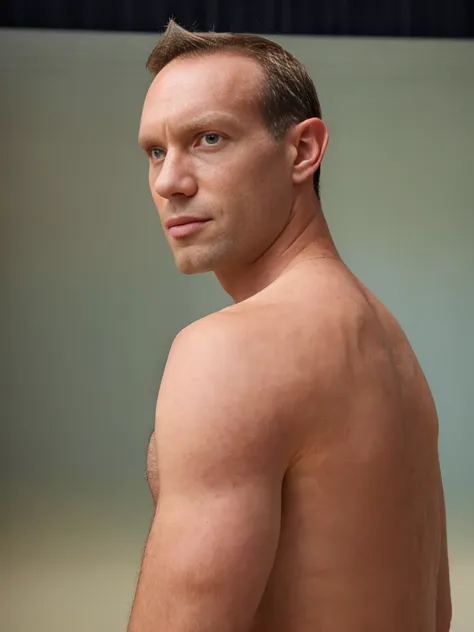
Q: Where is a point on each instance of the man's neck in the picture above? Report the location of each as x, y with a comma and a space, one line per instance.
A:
305, 237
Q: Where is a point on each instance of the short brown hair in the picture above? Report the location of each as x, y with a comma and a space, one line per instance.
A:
289, 96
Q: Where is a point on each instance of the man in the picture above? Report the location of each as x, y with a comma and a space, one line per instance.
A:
294, 462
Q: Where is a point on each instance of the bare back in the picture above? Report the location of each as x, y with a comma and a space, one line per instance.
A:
362, 517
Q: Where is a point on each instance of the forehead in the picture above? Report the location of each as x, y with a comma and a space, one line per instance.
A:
191, 87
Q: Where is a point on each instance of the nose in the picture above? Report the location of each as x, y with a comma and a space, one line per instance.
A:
175, 178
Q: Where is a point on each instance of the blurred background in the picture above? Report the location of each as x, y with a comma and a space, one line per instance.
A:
91, 300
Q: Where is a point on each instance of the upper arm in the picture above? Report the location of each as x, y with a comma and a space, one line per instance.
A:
221, 459
443, 601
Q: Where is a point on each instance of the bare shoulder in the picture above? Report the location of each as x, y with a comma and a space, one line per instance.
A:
215, 350
209, 337
297, 334
213, 395
268, 368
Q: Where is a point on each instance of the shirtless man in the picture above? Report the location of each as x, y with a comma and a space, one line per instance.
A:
294, 462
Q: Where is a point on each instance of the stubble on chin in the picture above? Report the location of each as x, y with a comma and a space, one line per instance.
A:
198, 260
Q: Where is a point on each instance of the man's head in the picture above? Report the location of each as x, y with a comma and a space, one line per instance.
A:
232, 126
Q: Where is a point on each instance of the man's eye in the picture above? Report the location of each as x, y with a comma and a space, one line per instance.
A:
211, 138
157, 153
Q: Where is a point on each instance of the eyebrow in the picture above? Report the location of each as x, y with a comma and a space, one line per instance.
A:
149, 139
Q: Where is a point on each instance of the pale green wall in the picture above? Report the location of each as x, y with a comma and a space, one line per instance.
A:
91, 299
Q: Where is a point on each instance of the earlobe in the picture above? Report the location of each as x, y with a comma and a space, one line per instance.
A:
311, 139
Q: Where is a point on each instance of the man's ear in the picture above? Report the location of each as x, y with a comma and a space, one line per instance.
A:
309, 139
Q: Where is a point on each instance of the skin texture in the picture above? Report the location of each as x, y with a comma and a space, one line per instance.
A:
294, 462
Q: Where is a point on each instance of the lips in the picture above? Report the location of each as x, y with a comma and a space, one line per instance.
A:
183, 220
185, 225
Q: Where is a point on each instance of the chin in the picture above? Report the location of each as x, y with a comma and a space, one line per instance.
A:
190, 270
197, 260
188, 265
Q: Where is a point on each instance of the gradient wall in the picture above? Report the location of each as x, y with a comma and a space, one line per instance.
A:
92, 301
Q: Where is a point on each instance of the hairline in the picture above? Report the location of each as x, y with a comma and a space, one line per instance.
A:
236, 50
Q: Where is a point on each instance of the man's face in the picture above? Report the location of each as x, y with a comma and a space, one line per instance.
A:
211, 157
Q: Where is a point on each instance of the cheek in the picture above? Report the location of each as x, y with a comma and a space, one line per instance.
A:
266, 180
157, 200
151, 185
160, 208
151, 179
